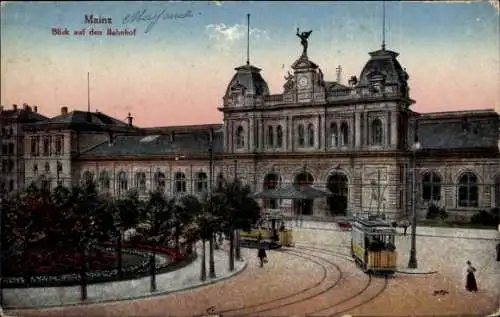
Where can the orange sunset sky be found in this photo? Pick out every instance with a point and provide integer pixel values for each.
(176, 67)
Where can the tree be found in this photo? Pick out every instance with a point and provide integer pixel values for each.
(203, 229)
(130, 209)
(184, 209)
(236, 210)
(157, 215)
(211, 206)
(84, 204)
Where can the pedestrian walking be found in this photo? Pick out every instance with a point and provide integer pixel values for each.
(498, 252)
(405, 224)
(470, 283)
(262, 255)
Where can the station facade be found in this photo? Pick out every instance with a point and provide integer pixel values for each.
(361, 141)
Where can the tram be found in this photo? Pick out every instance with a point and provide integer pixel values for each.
(271, 230)
(372, 245)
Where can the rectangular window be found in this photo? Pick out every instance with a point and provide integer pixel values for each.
(35, 141)
(11, 148)
(5, 149)
(11, 166)
(59, 145)
(46, 145)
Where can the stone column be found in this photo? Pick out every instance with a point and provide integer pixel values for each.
(286, 133)
(251, 142)
(394, 128)
(357, 129)
(366, 129)
(317, 140)
(226, 134)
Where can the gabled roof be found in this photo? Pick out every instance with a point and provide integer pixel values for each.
(22, 115)
(183, 144)
(83, 121)
(78, 116)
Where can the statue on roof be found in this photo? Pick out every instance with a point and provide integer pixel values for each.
(303, 40)
(288, 76)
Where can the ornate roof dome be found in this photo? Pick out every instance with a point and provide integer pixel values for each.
(249, 77)
(383, 66)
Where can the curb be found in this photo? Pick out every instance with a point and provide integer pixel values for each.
(416, 273)
(150, 295)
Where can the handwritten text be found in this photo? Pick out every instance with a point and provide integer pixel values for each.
(143, 16)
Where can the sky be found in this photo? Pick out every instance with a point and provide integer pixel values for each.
(175, 71)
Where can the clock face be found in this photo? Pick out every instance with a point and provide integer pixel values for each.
(303, 81)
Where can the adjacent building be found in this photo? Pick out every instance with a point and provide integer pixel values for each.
(12, 144)
(361, 140)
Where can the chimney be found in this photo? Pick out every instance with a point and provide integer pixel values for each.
(172, 137)
(14, 106)
(130, 119)
(35, 108)
(26, 107)
(64, 110)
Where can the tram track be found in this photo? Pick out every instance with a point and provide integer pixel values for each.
(302, 299)
(306, 256)
(340, 307)
(335, 306)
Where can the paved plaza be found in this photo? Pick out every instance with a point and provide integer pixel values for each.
(318, 278)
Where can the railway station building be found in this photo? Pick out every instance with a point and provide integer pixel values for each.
(360, 140)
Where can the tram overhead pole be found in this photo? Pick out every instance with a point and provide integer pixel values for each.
(412, 262)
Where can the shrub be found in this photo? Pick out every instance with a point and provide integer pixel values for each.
(486, 218)
(435, 212)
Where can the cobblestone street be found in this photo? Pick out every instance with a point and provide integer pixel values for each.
(318, 278)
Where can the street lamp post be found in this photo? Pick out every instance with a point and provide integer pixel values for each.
(412, 263)
(1, 253)
(120, 249)
(212, 236)
(237, 233)
(153, 256)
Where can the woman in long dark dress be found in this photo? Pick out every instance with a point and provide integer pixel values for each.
(471, 284)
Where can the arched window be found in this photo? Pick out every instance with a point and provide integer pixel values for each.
(201, 183)
(88, 177)
(301, 135)
(376, 132)
(468, 194)
(140, 181)
(344, 134)
(159, 179)
(279, 136)
(240, 137)
(431, 187)
(310, 134)
(334, 136)
(270, 136)
(104, 183)
(122, 182)
(180, 183)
